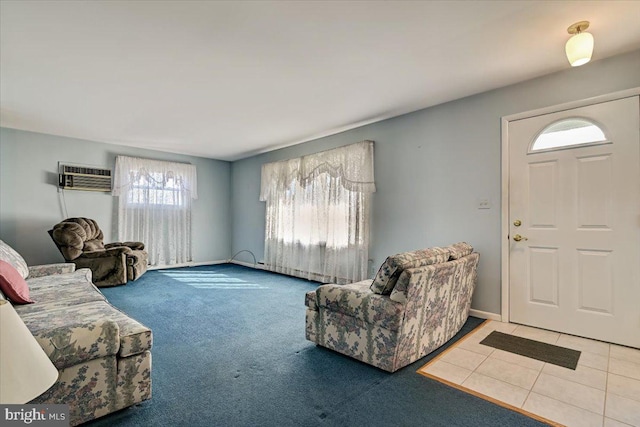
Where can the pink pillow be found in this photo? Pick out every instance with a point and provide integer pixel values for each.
(13, 285)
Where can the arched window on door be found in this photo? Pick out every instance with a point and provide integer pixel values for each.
(568, 133)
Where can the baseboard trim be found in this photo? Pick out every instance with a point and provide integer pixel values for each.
(187, 264)
(247, 264)
(485, 315)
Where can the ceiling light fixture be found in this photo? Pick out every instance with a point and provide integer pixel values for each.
(580, 46)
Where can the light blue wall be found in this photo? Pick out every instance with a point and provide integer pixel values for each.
(30, 202)
(433, 165)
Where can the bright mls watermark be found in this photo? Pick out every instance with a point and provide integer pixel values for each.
(36, 415)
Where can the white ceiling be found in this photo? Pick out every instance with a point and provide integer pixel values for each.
(227, 80)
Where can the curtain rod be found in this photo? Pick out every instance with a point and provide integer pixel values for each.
(154, 160)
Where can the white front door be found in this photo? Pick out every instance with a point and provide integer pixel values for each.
(574, 221)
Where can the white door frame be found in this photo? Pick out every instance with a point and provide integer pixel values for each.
(504, 231)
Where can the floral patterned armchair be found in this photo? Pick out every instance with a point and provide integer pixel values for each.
(80, 241)
(417, 302)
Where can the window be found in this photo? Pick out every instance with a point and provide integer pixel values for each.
(568, 133)
(317, 214)
(314, 218)
(155, 188)
(154, 207)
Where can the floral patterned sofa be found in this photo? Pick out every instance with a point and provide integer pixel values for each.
(102, 355)
(417, 302)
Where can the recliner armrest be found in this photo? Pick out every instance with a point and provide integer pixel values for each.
(136, 246)
(107, 253)
(135, 256)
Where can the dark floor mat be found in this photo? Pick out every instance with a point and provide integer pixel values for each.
(561, 356)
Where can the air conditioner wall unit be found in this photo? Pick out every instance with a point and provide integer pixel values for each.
(86, 178)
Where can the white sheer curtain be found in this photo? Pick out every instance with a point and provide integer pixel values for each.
(317, 214)
(154, 207)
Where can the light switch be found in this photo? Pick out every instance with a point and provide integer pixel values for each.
(484, 204)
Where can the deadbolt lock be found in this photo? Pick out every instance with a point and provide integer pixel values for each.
(517, 223)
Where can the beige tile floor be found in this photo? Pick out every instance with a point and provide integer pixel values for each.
(603, 391)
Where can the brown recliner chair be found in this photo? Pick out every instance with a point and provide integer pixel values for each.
(80, 241)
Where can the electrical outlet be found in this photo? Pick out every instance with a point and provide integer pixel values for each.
(484, 204)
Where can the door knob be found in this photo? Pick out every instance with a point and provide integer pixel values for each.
(518, 237)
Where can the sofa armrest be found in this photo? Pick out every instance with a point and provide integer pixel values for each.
(357, 300)
(420, 284)
(50, 269)
(416, 284)
(107, 253)
(310, 300)
(73, 343)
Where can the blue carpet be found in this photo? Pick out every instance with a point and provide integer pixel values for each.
(229, 350)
